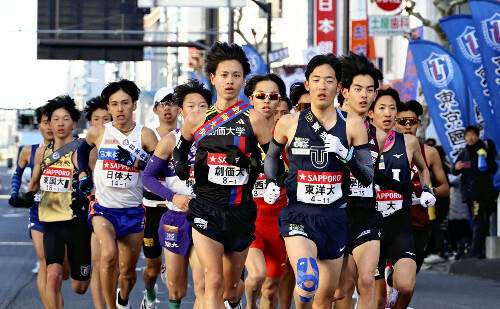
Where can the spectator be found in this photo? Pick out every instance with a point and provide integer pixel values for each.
(492, 213)
(458, 219)
(476, 186)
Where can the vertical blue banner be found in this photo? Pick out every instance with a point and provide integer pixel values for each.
(445, 91)
(257, 66)
(486, 18)
(462, 36)
(410, 79)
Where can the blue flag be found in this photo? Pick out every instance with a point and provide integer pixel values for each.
(410, 79)
(257, 66)
(486, 18)
(462, 36)
(445, 91)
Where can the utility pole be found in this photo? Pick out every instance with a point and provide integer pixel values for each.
(346, 35)
(266, 7)
(230, 30)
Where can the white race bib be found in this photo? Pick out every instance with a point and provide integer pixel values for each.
(56, 179)
(388, 202)
(319, 187)
(357, 189)
(222, 173)
(118, 175)
(260, 186)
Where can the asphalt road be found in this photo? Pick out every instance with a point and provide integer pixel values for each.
(434, 289)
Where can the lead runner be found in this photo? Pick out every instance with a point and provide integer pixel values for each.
(226, 167)
(322, 143)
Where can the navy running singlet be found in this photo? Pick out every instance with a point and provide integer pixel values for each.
(217, 181)
(394, 164)
(316, 176)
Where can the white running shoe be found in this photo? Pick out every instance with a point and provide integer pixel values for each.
(392, 294)
(164, 273)
(146, 304)
(228, 306)
(434, 259)
(118, 306)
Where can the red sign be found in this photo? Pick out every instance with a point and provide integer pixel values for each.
(388, 5)
(325, 25)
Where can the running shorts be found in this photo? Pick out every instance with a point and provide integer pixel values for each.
(151, 245)
(174, 232)
(124, 220)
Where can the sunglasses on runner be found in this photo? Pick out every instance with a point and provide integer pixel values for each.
(407, 120)
(262, 95)
(165, 104)
(302, 106)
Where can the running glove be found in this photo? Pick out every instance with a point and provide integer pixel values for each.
(237, 158)
(427, 199)
(85, 185)
(272, 193)
(14, 200)
(29, 199)
(183, 169)
(123, 157)
(333, 144)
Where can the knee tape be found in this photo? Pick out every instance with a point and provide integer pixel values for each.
(306, 294)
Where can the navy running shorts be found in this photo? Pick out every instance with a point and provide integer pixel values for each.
(366, 225)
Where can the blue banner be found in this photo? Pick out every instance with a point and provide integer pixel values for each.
(257, 66)
(410, 79)
(205, 83)
(462, 36)
(486, 18)
(445, 91)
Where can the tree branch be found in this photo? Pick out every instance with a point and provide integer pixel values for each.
(452, 5)
(410, 10)
(437, 6)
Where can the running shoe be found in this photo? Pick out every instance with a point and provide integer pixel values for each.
(164, 273)
(434, 259)
(392, 294)
(118, 306)
(146, 304)
(227, 305)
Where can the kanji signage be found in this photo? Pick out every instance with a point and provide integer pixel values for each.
(325, 25)
(388, 25)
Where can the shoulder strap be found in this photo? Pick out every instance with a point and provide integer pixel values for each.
(225, 116)
(133, 149)
(61, 152)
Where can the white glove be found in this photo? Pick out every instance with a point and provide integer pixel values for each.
(414, 199)
(272, 193)
(333, 144)
(427, 199)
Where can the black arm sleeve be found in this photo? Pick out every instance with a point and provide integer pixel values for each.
(361, 165)
(82, 158)
(272, 160)
(181, 150)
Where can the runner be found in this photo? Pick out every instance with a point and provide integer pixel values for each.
(63, 207)
(266, 258)
(173, 229)
(96, 113)
(301, 100)
(226, 167)
(117, 215)
(167, 111)
(35, 227)
(360, 81)
(284, 108)
(322, 143)
(397, 241)
(408, 122)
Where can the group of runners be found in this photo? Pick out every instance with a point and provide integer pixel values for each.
(313, 203)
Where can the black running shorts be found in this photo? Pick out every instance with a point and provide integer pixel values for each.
(75, 234)
(151, 245)
(366, 225)
(232, 226)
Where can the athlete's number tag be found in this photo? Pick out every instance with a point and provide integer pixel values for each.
(260, 186)
(388, 202)
(319, 187)
(222, 173)
(357, 189)
(118, 175)
(56, 179)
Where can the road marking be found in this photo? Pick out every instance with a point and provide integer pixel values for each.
(16, 243)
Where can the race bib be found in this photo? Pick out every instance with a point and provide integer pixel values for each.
(388, 202)
(319, 187)
(118, 175)
(222, 173)
(357, 189)
(260, 186)
(56, 179)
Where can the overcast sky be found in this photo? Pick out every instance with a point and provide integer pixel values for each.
(23, 78)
